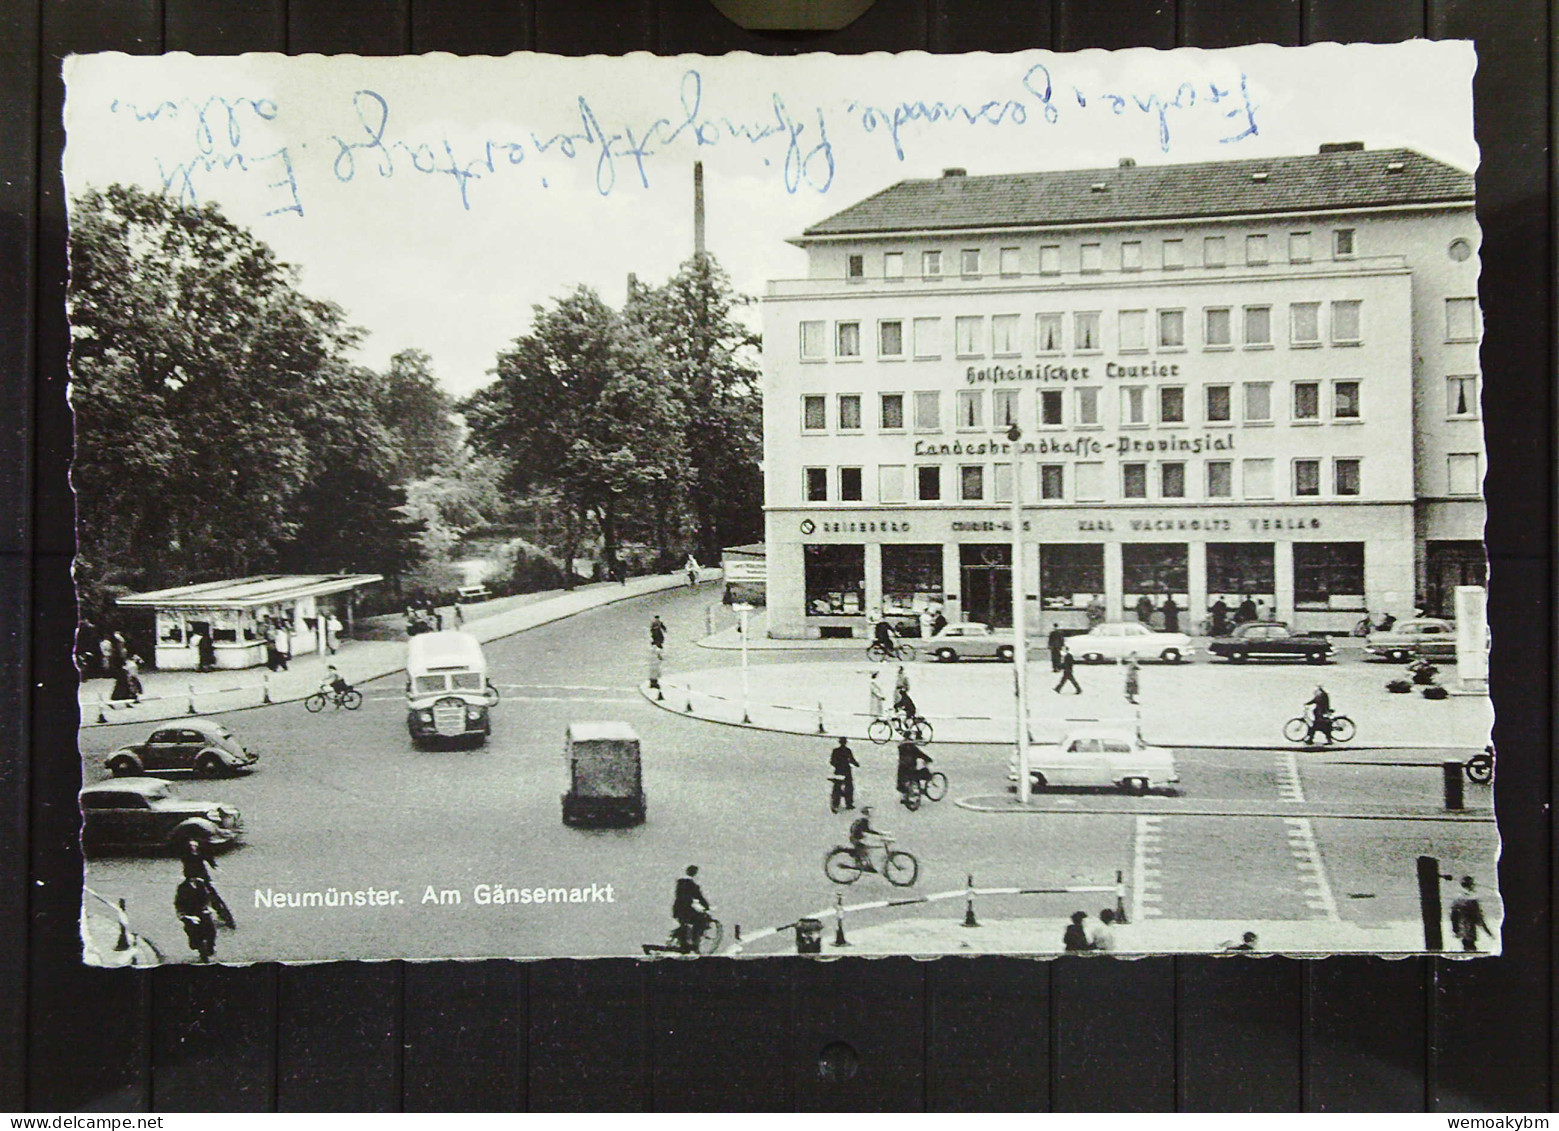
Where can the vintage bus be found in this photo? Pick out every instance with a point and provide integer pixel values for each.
(448, 696)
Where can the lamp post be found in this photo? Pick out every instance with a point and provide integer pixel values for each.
(1019, 625)
(742, 609)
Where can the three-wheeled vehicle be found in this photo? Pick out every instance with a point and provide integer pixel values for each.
(605, 786)
(448, 696)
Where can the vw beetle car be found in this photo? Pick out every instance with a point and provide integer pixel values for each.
(1428, 638)
(143, 813)
(1118, 641)
(205, 747)
(1099, 755)
(1267, 639)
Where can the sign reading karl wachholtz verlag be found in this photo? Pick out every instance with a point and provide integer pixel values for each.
(1100, 434)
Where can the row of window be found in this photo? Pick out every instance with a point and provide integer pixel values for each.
(977, 483)
(1128, 255)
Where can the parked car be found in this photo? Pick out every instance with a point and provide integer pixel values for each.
(200, 745)
(1268, 639)
(1118, 641)
(143, 813)
(971, 640)
(1100, 755)
(1427, 638)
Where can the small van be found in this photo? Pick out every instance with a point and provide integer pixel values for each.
(1100, 756)
(448, 696)
(605, 779)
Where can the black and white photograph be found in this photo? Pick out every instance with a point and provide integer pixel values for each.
(658, 507)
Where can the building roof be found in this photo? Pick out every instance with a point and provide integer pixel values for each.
(1328, 181)
(250, 592)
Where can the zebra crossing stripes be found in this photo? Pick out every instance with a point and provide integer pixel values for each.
(1312, 872)
(1146, 872)
(1290, 788)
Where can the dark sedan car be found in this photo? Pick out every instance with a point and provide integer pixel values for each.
(1263, 640)
(142, 813)
(205, 747)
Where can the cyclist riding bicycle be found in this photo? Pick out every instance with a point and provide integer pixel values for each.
(1318, 713)
(913, 763)
(904, 707)
(860, 829)
(882, 633)
(335, 683)
(690, 909)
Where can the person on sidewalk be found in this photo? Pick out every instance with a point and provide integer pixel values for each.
(1145, 609)
(1102, 937)
(842, 760)
(283, 648)
(1068, 662)
(657, 659)
(1247, 942)
(692, 567)
(1171, 613)
(874, 691)
(1467, 916)
(1219, 625)
(333, 634)
(1075, 937)
(1133, 679)
(657, 632)
(1057, 641)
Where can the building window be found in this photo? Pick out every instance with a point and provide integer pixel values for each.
(1052, 481)
(1345, 400)
(928, 337)
(971, 408)
(1133, 404)
(1462, 474)
(1215, 252)
(971, 483)
(1001, 483)
(1307, 478)
(849, 484)
(891, 411)
(1050, 259)
(1345, 322)
(890, 483)
(1171, 329)
(1071, 575)
(835, 580)
(969, 262)
(813, 337)
(1004, 335)
(847, 339)
(1256, 253)
(1299, 247)
(1047, 333)
(893, 265)
(928, 483)
(1218, 404)
(1461, 319)
(1256, 478)
(1154, 568)
(928, 411)
(1174, 254)
(1134, 480)
(1087, 483)
(1258, 402)
(855, 267)
(1133, 330)
(1307, 400)
(1258, 326)
(1217, 328)
(931, 265)
(1329, 575)
(1241, 570)
(911, 579)
(1087, 406)
(1009, 261)
(817, 484)
(1220, 479)
(1171, 404)
(1091, 258)
(1004, 407)
(1050, 407)
(1131, 255)
(1171, 480)
(849, 412)
(969, 335)
(890, 338)
(814, 414)
(1345, 476)
(1461, 397)
(1085, 326)
(1342, 243)
(1304, 324)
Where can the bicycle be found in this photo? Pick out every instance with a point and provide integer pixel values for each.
(885, 729)
(1298, 730)
(899, 868)
(931, 787)
(708, 940)
(350, 699)
(1480, 767)
(881, 653)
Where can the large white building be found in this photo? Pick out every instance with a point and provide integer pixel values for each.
(1248, 380)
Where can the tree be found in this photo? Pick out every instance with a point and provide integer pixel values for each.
(419, 415)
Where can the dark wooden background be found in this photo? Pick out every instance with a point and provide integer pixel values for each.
(1162, 1034)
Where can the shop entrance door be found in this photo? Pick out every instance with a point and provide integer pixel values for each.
(1447, 565)
(986, 569)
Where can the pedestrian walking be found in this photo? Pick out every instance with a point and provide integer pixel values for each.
(105, 653)
(1467, 915)
(1102, 937)
(874, 690)
(333, 633)
(1133, 679)
(283, 648)
(657, 632)
(132, 670)
(1057, 641)
(842, 760)
(118, 650)
(1075, 937)
(692, 567)
(657, 657)
(1068, 662)
(900, 685)
(1171, 613)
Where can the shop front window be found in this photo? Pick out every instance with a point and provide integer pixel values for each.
(1154, 569)
(1236, 570)
(1070, 576)
(1329, 575)
(911, 580)
(835, 580)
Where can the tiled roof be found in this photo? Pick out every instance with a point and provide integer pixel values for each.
(1317, 181)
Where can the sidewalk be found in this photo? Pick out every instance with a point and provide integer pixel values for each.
(172, 695)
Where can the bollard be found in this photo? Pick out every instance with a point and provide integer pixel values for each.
(102, 709)
(1120, 896)
(839, 939)
(689, 708)
(820, 729)
(1429, 902)
(660, 694)
(1452, 771)
(192, 698)
(969, 919)
(265, 686)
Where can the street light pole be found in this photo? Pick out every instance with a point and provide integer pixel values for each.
(1019, 625)
(743, 609)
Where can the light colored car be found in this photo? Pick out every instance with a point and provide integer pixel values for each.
(1099, 755)
(971, 640)
(1428, 638)
(1120, 641)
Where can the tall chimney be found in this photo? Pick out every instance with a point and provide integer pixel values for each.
(698, 209)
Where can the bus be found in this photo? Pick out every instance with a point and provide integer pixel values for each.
(448, 696)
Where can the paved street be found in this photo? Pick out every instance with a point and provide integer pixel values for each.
(1292, 841)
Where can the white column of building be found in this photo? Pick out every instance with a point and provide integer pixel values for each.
(1113, 590)
(874, 606)
(952, 581)
(1283, 580)
(1196, 587)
